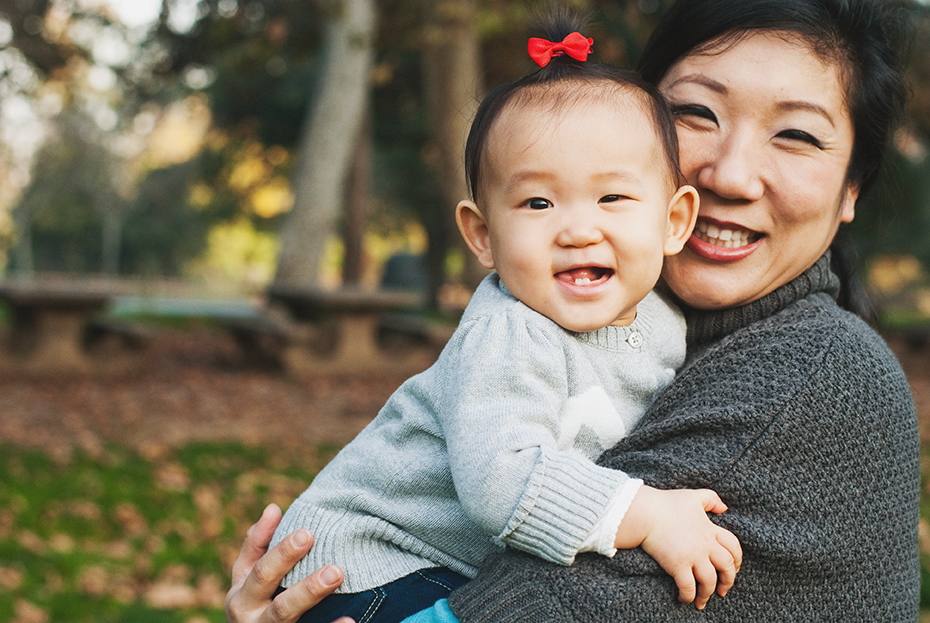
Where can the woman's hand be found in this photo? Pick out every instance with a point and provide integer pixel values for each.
(258, 571)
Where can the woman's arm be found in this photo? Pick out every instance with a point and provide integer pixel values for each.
(819, 469)
(258, 570)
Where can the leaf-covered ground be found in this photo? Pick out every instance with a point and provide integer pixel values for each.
(125, 499)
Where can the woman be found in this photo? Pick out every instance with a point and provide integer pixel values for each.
(792, 409)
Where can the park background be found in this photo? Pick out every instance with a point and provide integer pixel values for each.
(201, 152)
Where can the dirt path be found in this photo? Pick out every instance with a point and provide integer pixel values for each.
(194, 386)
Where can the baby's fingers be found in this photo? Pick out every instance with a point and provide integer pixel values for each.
(726, 569)
(711, 501)
(728, 540)
(706, 576)
(684, 580)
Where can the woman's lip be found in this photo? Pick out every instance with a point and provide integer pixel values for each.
(722, 241)
(721, 224)
(721, 254)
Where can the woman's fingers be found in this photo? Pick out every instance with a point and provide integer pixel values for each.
(258, 571)
(256, 543)
(271, 568)
(300, 597)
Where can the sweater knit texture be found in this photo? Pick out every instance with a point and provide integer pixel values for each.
(494, 444)
(800, 417)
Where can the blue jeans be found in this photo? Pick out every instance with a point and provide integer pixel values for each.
(390, 603)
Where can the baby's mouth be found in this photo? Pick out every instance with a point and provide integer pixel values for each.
(721, 236)
(585, 275)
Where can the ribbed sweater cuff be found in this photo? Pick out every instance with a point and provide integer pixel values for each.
(565, 499)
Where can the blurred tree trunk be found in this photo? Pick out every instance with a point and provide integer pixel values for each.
(329, 140)
(22, 247)
(358, 200)
(112, 242)
(453, 86)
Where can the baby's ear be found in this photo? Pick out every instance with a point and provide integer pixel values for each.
(474, 229)
(682, 215)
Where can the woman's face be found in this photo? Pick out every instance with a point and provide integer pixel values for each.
(766, 138)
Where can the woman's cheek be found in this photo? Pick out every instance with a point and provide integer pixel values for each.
(692, 151)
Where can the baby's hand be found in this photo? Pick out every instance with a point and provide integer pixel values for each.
(672, 527)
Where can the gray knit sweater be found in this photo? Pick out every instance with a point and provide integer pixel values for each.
(799, 416)
(494, 444)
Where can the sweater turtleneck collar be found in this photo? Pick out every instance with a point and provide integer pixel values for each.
(706, 326)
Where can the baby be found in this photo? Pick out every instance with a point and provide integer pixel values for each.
(575, 203)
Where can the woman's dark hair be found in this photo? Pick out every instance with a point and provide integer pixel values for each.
(563, 70)
(864, 36)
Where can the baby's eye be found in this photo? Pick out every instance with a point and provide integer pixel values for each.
(537, 203)
(612, 198)
(801, 135)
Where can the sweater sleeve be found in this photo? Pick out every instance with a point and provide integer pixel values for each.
(807, 432)
(503, 395)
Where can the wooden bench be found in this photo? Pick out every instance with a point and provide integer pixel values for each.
(49, 323)
(315, 331)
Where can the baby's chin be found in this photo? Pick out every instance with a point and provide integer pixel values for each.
(582, 325)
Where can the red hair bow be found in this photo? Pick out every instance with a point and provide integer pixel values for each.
(575, 45)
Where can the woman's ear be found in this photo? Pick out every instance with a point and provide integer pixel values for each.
(474, 229)
(848, 206)
(682, 215)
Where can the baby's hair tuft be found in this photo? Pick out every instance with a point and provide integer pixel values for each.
(557, 21)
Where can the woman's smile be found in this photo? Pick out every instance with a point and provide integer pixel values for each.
(723, 242)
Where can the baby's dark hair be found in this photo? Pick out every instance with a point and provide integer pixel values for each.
(563, 71)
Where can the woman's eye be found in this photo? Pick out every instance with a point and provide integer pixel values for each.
(694, 110)
(801, 135)
(538, 204)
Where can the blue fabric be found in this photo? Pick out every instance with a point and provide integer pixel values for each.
(439, 613)
(389, 603)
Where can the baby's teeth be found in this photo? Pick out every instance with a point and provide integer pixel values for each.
(582, 281)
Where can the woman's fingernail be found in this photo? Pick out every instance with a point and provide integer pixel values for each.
(330, 575)
(301, 538)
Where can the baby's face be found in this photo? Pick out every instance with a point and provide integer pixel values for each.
(577, 203)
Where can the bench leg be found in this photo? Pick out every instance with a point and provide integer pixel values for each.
(57, 347)
(356, 352)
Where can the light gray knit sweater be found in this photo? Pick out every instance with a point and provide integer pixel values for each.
(494, 444)
(799, 416)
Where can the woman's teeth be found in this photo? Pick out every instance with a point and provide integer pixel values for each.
(719, 237)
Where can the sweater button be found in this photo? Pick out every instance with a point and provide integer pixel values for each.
(635, 339)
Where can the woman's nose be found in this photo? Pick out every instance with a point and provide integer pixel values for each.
(731, 169)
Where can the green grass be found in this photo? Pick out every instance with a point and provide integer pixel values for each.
(99, 538)
(95, 538)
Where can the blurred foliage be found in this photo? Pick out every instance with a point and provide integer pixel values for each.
(61, 213)
(255, 64)
(894, 218)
